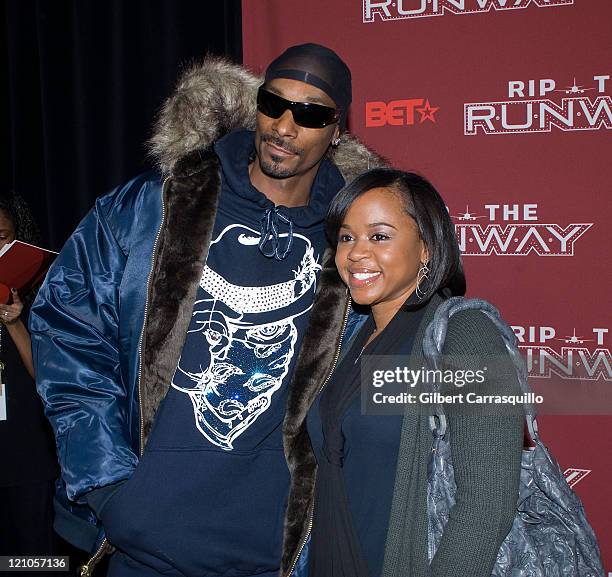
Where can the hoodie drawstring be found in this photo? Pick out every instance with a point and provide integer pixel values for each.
(269, 233)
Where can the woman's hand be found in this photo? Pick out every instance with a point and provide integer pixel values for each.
(9, 314)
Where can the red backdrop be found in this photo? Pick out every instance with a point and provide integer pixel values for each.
(505, 105)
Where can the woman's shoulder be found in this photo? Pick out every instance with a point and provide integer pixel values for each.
(475, 341)
(471, 331)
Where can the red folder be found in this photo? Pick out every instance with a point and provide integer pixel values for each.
(22, 266)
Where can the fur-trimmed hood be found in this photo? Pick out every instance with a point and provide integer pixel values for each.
(214, 97)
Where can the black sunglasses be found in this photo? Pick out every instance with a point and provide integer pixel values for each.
(306, 114)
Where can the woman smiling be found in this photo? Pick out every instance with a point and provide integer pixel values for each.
(397, 253)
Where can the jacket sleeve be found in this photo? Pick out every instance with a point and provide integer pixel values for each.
(74, 325)
(486, 453)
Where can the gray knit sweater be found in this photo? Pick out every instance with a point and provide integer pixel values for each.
(486, 453)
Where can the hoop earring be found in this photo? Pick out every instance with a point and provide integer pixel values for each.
(422, 276)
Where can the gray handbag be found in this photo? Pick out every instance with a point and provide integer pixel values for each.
(550, 536)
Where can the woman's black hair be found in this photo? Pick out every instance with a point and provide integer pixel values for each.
(425, 205)
(18, 212)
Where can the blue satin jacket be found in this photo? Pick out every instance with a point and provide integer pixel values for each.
(86, 326)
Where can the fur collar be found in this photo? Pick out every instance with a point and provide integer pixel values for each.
(191, 204)
(314, 363)
(215, 97)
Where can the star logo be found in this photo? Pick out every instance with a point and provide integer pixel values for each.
(427, 112)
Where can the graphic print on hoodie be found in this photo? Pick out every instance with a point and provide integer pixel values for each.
(209, 495)
(242, 339)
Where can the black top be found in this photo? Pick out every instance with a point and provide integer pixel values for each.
(26, 440)
(357, 457)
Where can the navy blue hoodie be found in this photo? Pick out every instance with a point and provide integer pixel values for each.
(208, 497)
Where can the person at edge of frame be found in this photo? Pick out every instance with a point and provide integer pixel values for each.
(29, 465)
(175, 325)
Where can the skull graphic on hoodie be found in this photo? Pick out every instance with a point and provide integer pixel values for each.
(243, 338)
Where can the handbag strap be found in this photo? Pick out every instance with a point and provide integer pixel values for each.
(433, 342)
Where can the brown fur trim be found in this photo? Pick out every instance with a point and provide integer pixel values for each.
(214, 97)
(191, 199)
(313, 365)
(352, 157)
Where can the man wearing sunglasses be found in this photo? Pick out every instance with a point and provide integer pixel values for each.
(169, 328)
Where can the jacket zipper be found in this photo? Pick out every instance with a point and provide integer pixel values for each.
(87, 569)
(146, 312)
(329, 374)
